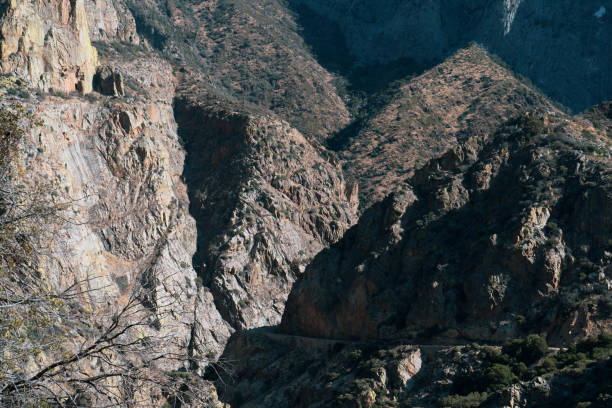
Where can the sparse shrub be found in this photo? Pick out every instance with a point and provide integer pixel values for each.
(370, 367)
(548, 365)
(473, 399)
(588, 135)
(585, 351)
(466, 383)
(355, 355)
(535, 348)
(605, 307)
(21, 93)
(521, 371)
(345, 397)
(532, 124)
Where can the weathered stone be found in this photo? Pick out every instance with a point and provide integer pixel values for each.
(281, 201)
(406, 369)
(108, 81)
(49, 47)
(110, 20)
(424, 260)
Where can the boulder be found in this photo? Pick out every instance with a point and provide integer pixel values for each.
(108, 81)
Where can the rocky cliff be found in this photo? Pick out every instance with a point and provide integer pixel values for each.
(118, 163)
(265, 200)
(507, 224)
(205, 156)
(48, 45)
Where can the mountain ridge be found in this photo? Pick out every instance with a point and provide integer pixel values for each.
(199, 171)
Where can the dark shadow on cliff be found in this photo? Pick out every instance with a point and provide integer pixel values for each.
(455, 251)
(364, 88)
(563, 48)
(214, 167)
(328, 44)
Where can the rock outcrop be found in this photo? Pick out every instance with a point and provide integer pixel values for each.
(111, 20)
(266, 201)
(108, 82)
(506, 225)
(122, 164)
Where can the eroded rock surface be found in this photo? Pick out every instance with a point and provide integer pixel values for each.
(108, 82)
(266, 202)
(48, 44)
(111, 20)
(510, 224)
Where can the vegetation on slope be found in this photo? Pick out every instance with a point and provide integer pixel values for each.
(247, 53)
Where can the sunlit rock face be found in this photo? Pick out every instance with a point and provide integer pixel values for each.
(48, 45)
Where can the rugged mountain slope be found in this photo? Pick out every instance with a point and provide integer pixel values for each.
(248, 52)
(469, 94)
(504, 235)
(48, 44)
(118, 163)
(536, 38)
(515, 223)
(191, 152)
(265, 200)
